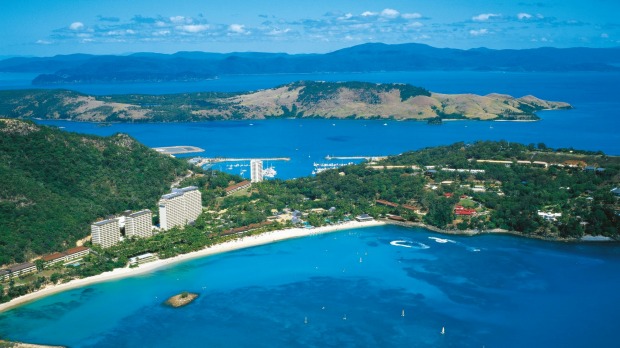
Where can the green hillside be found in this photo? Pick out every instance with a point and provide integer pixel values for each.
(53, 184)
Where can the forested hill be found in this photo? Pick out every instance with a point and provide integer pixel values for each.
(184, 66)
(54, 184)
(361, 100)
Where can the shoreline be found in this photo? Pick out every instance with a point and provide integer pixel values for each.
(237, 244)
(472, 233)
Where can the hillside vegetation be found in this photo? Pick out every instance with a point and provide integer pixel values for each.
(301, 99)
(54, 184)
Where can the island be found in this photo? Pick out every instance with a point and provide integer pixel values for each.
(465, 188)
(182, 299)
(303, 99)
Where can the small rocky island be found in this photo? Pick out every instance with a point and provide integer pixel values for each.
(181, 299)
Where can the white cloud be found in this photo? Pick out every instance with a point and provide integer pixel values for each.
(194, 28)
(478, 32)
(43, 42)
(369, 14)
(76, 26)
(346, 16)
(524, 15)
(178, 19)
(415, 25)
(411, 15)
(161, 33)
(390, 13)
(236, 28)
(485, 16)
(278, 31)
(605, 35)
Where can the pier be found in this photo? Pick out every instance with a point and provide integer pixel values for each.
(201, 161)
(367, 158)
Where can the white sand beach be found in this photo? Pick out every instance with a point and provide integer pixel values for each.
(240, 243)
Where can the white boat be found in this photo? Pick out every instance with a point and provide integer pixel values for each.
(269, 172)
(443, 330)
(402, 314)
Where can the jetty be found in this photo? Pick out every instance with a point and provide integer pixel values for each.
(367, 158)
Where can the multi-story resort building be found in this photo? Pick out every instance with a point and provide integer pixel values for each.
(180, 207)
(139, 224)
(109, 232)
(66, 257)
(17, 270)
(256, 170)
(238, 187)
(106, 233)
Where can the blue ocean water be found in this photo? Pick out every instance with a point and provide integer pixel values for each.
(493, 291)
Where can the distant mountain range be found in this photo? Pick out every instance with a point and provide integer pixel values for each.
(356, 100)
(183, 66)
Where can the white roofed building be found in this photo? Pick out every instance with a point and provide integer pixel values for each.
(180, 207)
(106, 233)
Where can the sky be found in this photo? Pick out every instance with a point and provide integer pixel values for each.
(51, 27)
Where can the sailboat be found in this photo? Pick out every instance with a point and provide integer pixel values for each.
(443, 330)
(345, 317)
(402, 314)
(269, 172)
(306, 320)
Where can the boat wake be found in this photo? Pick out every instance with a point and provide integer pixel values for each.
(445, 240)
(409, 244)
(441, 240)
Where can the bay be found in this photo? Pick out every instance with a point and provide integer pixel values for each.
(494, 291)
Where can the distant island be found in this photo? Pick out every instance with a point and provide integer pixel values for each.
(370, 57)
(304, 99)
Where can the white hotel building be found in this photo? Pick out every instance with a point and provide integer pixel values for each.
(180, 207)
(106, 233)
(139, 224)
(109, 232)
(256, 170)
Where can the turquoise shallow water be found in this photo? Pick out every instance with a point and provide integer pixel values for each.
(493, 291)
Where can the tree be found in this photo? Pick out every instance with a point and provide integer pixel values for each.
(40, 264)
